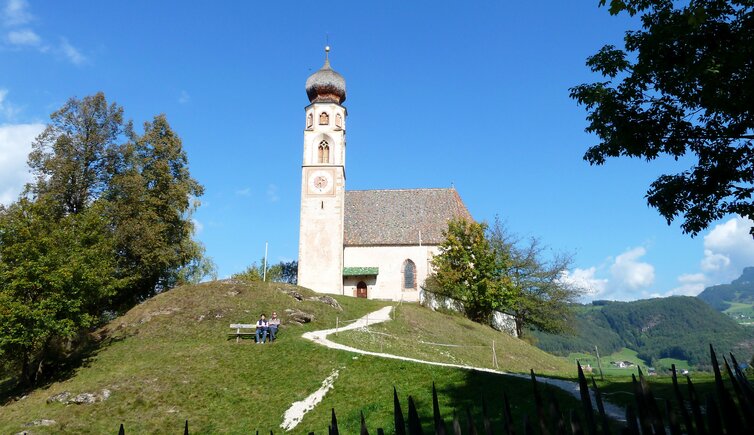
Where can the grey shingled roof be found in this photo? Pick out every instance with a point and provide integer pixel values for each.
(326, 82)
(400, 217)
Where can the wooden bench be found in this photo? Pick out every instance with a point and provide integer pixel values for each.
(240, 333)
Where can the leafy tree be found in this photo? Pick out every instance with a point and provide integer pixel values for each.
(466, 269)
(151, 199)
(105, 224)
(289, 272)
(537, 296)
(252, 273)
(682, 86)
(281, 272)
(53, 278)
(72, 158)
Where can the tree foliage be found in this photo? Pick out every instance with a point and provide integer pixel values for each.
(677, 327)
(286, 272)
(740, 290)
(683, 85)
(53, 279)
(466, 269)
(151, 196)
(537, 296)
(105, 224)
(488, 269)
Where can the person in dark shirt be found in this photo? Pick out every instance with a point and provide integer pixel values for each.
(262, 327)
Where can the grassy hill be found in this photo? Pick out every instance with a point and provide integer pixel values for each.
(735, 299)
(676, 329)
(168, 360)
(417, 332)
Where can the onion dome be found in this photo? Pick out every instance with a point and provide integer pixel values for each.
(326, 85)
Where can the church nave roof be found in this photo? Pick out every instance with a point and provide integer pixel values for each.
(401, 216)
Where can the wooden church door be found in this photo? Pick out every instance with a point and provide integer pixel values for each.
(361, 289)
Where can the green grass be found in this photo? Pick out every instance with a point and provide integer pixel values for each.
(418, 332)
(168, 360)
(741, 312)
(620, 390)
(609, 369)
(665, 364)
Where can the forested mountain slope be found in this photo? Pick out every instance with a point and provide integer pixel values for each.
(676, 327)
(740, 290)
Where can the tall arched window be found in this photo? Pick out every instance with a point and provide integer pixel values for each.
(409, 275)
(338, 121)
(323, 152)
(324, 118)
(309, 121)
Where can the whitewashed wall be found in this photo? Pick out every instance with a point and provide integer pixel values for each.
(389, 259)
(501, 321)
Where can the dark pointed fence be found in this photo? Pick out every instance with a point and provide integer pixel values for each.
(722, 413)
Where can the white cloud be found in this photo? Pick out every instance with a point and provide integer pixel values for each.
(184, 97)
(16, 12)
(15, 145)
(628, 272)
(15, 16)
(272, 193)
(713, 262)
(691, 284)
(623, 277)
(7, 110)
(24, 37)
(246, 191)
(71, 53)
(586, 280)
(198, 226)
(689, 278)
(728, 248)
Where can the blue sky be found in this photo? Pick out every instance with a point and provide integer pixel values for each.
(473, 95)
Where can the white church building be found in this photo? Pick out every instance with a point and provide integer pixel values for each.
(374, 244)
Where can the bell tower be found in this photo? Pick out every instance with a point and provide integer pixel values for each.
(323, 182)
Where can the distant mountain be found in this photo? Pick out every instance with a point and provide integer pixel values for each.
(721, 297)
(678, 327)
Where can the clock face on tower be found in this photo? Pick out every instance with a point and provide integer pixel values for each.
(320, 182)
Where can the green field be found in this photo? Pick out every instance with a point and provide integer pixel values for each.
(662, 366)
(417, 332)
(609, 369)
(741, 312)
(169, 360)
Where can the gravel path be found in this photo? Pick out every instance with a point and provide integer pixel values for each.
(383, 315)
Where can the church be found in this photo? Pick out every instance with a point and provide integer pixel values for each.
(375, 244)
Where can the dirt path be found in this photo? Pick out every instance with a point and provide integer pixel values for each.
(382, 315)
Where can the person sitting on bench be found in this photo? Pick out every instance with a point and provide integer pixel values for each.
(273, 325)
(261, 328)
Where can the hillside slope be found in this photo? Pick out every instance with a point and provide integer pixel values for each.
(168, 360)
(417, 332)
(677, 327)
(733, 298)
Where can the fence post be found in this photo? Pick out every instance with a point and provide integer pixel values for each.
(494, 355)
(599, 363)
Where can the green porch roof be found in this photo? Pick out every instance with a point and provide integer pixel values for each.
(360, 271)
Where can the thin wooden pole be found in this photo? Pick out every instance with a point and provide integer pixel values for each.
(494, 355)
(264, 271)
(599, 363)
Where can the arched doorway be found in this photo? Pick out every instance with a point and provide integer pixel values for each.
(361, 289)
